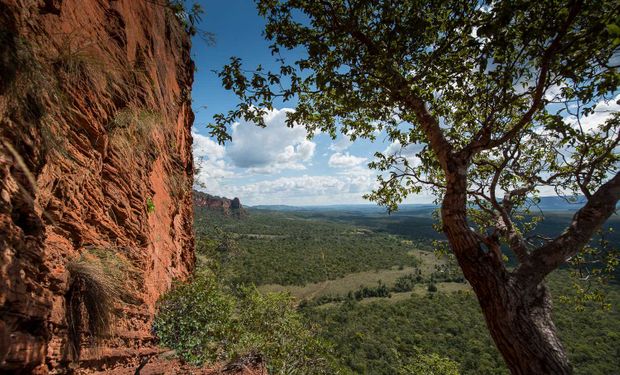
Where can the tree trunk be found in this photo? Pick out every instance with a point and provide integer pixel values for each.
(520, 323)
(518, 314)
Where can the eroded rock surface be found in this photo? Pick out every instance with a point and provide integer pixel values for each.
(95, 157)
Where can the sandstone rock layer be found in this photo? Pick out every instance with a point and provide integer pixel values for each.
(224, 206)
(95, 157)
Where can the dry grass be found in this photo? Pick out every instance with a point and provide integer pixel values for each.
(419, 290)
(341, 286)
(131, 131)
(352, 281)
(179, 184)
(92, 295)
(98, 280)
(77, 62)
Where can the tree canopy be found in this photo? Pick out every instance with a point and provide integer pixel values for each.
(490, 103)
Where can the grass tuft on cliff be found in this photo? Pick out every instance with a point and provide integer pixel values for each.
(92, 294)
(98, 280)
(131, 131)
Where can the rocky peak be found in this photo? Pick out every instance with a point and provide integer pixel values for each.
(224, 206)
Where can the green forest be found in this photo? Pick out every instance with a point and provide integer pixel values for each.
(379, 298)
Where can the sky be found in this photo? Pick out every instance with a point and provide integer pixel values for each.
(276, 164)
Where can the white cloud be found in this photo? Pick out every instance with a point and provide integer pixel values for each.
(205, 146)
(554, 93)
(209, 160)
(341, 144)
(602, 112)
(271, 149)
(325, 189)
(409, 152)
(347, 160)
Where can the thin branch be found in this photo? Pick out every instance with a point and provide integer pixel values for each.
(484, 141)
(584, 224)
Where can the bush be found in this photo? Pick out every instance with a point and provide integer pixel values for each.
(430, 365)
(271, 326)
(195, 319)
(204, 324)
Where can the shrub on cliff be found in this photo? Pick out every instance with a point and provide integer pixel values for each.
(195, 320)
(205, 324)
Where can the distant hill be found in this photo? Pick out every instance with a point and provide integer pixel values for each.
(357, 208)
(561, 204)
(551, 203)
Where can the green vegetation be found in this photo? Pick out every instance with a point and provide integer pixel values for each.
(189, 18)
(150, 206)
(291, 250)
(204, 324)
(430, 365)
(370, 338)
(425, 319)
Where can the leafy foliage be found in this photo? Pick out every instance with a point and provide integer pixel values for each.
(190, 17)
(377, 337)
(431, 364)
(204, 323)
(592, 268)
(196, 320)
(150, 206)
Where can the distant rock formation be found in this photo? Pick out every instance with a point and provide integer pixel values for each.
(224, 206)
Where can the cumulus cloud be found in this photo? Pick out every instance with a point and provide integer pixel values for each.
(209, 160)
(323, 189)
(339, 160)
(409, 152)
(341, 144)
(271, 149)
(602, 112)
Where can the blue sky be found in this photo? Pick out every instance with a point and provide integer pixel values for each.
(275, 165)
(278, 165)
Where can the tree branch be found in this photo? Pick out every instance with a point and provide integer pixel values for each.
(439, 144)
(483, 140)
(585, 223)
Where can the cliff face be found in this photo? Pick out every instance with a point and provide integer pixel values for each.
(95, 158)
(225, 206)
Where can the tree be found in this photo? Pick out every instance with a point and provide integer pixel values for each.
(488, 101)
(432, 364)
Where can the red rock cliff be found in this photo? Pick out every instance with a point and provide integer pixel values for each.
(95, 156)
(225, 206)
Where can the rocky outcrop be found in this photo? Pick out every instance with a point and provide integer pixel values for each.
(95, 161)
(224, 206)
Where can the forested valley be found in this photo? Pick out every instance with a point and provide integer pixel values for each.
(379, 295)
